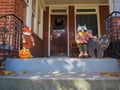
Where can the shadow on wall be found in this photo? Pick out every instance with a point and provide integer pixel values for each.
(37, 50)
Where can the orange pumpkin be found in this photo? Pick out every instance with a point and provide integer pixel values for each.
(24, 53)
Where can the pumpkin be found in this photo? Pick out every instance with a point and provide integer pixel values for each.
(24, 53)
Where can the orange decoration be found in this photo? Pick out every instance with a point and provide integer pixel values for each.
(27, 30)
(82, 33)
(24, 53)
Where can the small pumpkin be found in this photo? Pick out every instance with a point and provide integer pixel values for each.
(24, 53)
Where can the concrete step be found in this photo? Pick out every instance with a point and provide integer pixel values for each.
(59, 81)
(61, 74)
(63, 64)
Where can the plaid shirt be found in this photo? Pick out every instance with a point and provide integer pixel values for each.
(80, 38)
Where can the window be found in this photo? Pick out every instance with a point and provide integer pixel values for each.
(87, 16)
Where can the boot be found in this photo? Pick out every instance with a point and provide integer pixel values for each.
(81, 54)
(85, 54)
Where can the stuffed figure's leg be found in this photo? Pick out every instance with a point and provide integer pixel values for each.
(81, 50)
(81, 54)
(85, 47)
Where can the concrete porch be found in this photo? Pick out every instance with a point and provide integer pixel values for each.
(61, 73)
(59, 81)
(63, 64)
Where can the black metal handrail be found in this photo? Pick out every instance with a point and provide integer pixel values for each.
(113, 31)
(10, 35)
(112, 15)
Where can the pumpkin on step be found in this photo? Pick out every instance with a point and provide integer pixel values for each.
(24, 53)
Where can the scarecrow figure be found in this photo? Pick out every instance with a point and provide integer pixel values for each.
(28, 41)
(82, 38)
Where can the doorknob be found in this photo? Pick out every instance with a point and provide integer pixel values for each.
(50, 37)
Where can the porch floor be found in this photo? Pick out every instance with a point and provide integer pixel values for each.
(55, 78)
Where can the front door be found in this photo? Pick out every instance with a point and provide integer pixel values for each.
(58, 35)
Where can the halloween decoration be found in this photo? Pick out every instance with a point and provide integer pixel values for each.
(96, 47)
(82, 38)
(28, 40)
(24, 53)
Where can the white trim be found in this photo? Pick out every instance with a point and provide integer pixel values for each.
(29, 14)
(26, 2)
(58, 7)
(111, 6)
(76, 5)
(68, 33)
(49, 34)
(35, 13)
(98, 22)
(41, 24)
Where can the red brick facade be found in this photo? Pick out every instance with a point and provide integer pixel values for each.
(12, 7)
(103, 17)
(17, 7)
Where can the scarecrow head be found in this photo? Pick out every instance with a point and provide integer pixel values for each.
(26, 31)
(82, 30)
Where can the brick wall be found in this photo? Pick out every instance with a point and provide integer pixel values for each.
(71, 23)
(45, 31)
(71, 26)
(103, 17)
(19, 8)
(37, 50)
(115, 28)
(12, 7)
(6, 7)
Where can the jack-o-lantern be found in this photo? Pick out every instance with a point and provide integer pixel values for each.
(24, 53)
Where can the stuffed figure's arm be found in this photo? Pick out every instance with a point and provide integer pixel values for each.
(32, 39)
(90, 35)
(77, 38)
(23, 39)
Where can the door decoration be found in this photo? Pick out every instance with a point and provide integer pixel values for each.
(28, 42)
(58, 23)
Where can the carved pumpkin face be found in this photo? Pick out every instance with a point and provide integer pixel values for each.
(24, 53)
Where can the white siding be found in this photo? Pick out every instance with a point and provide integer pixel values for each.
(117, 5)
(114, 5)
